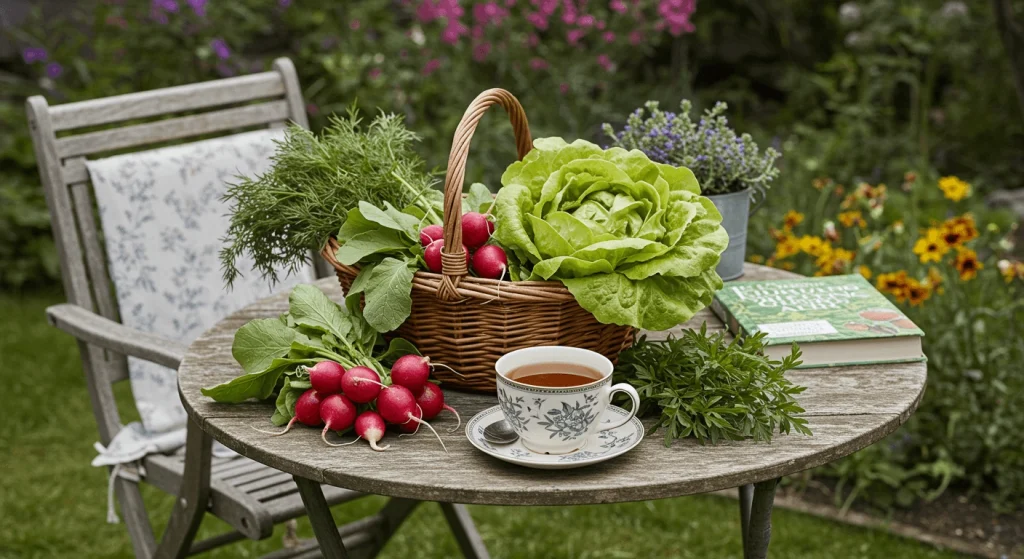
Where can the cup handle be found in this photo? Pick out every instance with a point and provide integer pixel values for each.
(628, 389)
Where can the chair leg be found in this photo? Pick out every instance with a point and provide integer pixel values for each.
(461, 523)
(193, 498)
(133, 511)
(394, 513)
(759, 532)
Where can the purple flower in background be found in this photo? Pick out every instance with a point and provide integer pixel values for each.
(354, 25)
(225, 70)
(34, 54)
(431, 66)
(538, 64)
(618, 6)
(284, 3)
(374, 73)
(54, 70)
(220, 48)
(539, 20)
(165, 5)
(481, 51)
(604, 61)
(198, 6)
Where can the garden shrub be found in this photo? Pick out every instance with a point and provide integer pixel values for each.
(860, 94)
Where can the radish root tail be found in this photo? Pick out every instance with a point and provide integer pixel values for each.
(436, 364)
(373, 445)
(278, 433)
(500, 281)
(421, 422)
(457, 417)
(323, 435)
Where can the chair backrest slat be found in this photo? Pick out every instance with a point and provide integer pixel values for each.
(138, 135)
(167, 101)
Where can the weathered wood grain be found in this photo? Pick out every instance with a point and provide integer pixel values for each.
(166, 101)
(848, 408)
(172, 129)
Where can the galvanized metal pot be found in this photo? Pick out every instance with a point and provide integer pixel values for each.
(735, 208)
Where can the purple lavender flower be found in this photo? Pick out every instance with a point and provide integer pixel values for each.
(54, 70)
(198, 6)
(220, 48)
(34, 54)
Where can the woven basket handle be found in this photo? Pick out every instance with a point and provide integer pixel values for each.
(453, 262)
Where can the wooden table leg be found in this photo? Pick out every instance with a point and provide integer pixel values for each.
(461, 523)
(746, 498)
(320, 517)
(759, 529)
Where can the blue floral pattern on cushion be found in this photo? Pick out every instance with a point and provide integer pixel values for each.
(163, 224)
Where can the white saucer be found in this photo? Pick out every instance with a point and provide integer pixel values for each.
(602, 446)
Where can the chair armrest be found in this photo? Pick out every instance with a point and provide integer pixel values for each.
(89, 327)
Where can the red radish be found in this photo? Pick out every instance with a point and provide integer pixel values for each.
(431, 400)
(490, 261)
(326, 376)
(397, 406)
(476, 229)
(411, 371)
(432, 255)
(370, 426)
(412, 427)
(430, 234)
(307, 412)
(361, 384)
(338, 413)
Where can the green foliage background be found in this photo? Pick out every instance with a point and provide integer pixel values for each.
(865, 90)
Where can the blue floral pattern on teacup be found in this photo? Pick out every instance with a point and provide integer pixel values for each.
(570, 421)
(513, 408)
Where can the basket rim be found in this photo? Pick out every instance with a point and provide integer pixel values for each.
(471, 287)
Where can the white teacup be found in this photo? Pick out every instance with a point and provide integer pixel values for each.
(556, 420)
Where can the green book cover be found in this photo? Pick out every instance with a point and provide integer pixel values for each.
(832, 308)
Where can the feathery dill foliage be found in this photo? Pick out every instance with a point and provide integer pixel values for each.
(279, 217)
(712, 389)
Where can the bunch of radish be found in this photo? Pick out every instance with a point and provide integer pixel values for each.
(336, 396)
(487, 261)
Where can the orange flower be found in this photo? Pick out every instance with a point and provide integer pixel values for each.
(851, 218)
(917, 292)
(967, 263)
(894, 283)
(821, 182)
(792, 219)
(931, 247)
(958, 230)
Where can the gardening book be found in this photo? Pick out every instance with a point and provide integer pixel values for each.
(836, 320)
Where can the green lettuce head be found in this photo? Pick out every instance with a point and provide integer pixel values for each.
(633, 240)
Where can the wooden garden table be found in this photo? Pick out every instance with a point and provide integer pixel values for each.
(848, 408)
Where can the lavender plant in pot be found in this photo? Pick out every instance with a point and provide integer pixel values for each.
(732, 171)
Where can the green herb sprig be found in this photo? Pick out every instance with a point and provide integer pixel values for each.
(712, 389)
(279, 217)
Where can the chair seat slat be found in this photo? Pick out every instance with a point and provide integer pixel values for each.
(172, 129)
(165, 101)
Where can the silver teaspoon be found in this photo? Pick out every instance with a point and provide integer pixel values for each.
(500, 432)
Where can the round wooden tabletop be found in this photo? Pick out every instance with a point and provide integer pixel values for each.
(848, 408)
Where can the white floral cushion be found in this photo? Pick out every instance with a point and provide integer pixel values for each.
(164, 223)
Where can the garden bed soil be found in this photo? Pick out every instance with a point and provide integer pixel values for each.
(954, 520)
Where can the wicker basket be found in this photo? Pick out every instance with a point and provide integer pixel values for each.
(466, 322)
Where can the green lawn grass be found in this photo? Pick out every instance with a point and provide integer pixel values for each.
(52, 503)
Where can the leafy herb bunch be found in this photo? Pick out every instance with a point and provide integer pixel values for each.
(278, 218)
(712, 389)
(722, 161)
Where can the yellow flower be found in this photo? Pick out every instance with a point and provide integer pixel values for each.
(1011, 270)
(812, 245)
(931, 247)
(787, 246)
(788, 266)
(958, 230)
(917, 292)
(954, 189)
(834, 261)
(851, 218)
(756, 259)
(864, 271)
(792, 219)
(821, 182)
(967, 263)
(894, 283)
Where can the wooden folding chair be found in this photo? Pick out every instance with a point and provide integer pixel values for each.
(247, 495)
